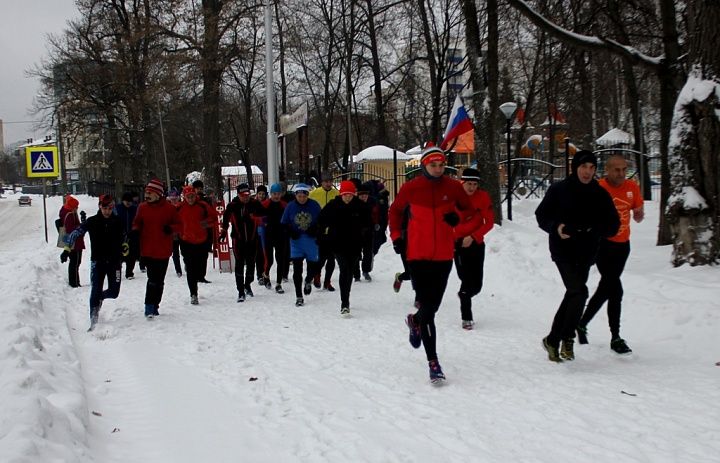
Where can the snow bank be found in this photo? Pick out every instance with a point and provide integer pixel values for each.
(44, 414)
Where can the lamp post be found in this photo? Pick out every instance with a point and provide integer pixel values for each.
(508, 110)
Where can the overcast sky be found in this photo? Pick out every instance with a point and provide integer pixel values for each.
(24, 25)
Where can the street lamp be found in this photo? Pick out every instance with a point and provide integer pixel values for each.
(508, 110)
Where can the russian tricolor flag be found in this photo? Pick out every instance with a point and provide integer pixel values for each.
(458, 123)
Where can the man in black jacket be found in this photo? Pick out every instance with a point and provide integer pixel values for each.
(348, 224)
(106, 252)
(244, 213)
(576, 213)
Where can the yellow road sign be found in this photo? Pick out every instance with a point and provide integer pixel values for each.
(42, 161)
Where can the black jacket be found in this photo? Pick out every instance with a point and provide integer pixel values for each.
(589, 215)
(106, 237)
(347, 225)
(244, 218)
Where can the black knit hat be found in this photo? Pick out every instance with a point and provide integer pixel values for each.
(243, 188)
(261, 188)
(470, 174)
(582, 157)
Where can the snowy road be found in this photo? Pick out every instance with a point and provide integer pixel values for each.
(264, 381)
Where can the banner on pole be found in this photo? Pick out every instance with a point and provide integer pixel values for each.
(289, 123)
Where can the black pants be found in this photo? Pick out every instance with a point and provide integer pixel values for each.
(260, 257)
(574, 277)
(366, 261)
(74, 261)
(347, 263)
(327, 259)
(244, 263)
(611, 261)
(429, 279)
(193, 256)
(379, 237)
(156, 271)
(469, 263)
(313, 268)
(176, 257)
(276, 249)
(99, 271)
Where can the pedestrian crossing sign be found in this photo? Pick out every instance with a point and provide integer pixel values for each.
(42, 161)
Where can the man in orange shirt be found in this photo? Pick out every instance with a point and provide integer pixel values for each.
(613, 252)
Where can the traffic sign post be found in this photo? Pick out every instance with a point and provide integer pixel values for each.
(42, 162)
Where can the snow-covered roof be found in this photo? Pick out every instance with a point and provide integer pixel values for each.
(239, 170)
(414, 151)
(50, 142)
(615, 137)
(379, 153)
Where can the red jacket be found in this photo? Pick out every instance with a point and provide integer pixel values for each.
(428, 236)
(196, 220)
(71, 221)
(477, 221)
(150, 221)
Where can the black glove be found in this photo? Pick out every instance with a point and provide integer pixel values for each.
(167, 229)
(125, 249)
(64, 256)
(83, 216)
(575, 230)
(399, 246)
(451, 218)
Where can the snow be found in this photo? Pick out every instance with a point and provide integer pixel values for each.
(239, 170)
(689, 198)
(264, 381)
(615, 136)
(696, 88)
(379, 153)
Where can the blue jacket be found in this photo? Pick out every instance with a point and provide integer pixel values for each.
(301, 218)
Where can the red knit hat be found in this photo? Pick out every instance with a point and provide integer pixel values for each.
(188, 190)
(106, 200)
(71, 202)
(347, 188)
(432, 154)
(156, 186)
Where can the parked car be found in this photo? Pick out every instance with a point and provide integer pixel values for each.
(24, 200)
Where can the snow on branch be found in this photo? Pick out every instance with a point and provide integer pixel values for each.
(586, 41)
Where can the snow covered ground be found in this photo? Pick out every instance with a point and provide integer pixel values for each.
(264, 381)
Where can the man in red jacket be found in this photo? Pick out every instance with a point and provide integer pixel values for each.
(156, 221)
(470, 243)
(196, 217)
(432, 199)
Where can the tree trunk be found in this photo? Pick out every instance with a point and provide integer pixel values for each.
(671, 78)
(381, 137)
(212, 70)
(435, 86)
(693, 211)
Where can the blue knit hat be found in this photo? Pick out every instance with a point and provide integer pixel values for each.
(275, 188)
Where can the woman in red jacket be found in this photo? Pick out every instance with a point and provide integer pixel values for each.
(196, 217)
(156, 221)
(432, 199)
(470, 243)
(70, 220)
